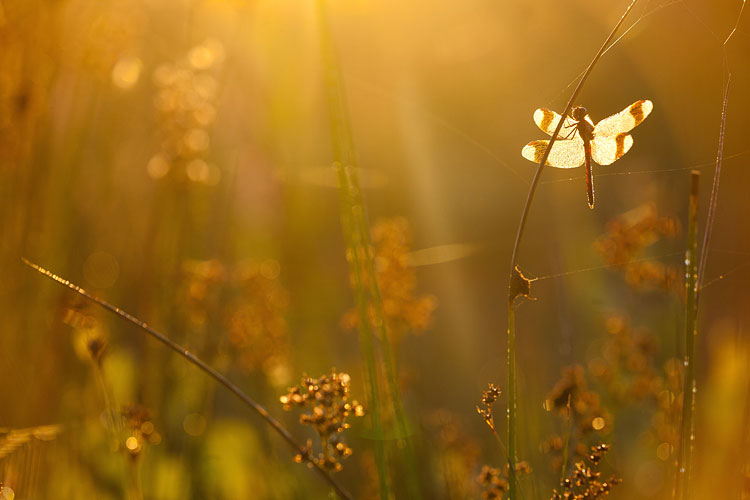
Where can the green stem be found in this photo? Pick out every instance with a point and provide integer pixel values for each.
(695, 267)
(568, 432)
(356, 229)
(356, 234)
(687, 431)
(511, 400)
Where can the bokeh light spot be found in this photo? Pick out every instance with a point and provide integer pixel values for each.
(147, 427)
(206, 55)
(126, 72)
(598, 423)
(157, 167)
(197, 140)
(194, 424)
(197, 170)
(131, 443)
(6, 493)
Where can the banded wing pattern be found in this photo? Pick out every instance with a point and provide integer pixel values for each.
(564, 154)
(624, 121)
(580, 141)
(611, 139)
(547, 121)
(607, 150)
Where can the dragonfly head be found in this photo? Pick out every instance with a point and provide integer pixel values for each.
(579, 113)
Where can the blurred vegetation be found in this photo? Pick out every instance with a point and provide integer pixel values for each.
(174, 157)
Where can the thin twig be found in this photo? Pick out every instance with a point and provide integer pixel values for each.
(260, 410)
(695, 271)
(568, 432)
(512, 291)
(687, 434)
(714, 196)
(537, 175)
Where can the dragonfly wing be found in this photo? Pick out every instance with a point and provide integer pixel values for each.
(547, 121)
(564, 154)
(624, 121)
(607, 150)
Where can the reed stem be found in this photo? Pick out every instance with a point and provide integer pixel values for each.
(687, 431)
(695, 267)
(513, 290)
(372, 320)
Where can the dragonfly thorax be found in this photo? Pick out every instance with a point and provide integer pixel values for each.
(585, 129)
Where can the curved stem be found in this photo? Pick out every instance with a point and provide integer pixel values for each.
(694, 272)
(714, 195)
(687, 434)
(204, 367)
(512, 291)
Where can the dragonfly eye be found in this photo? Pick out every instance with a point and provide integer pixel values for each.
(579, 113)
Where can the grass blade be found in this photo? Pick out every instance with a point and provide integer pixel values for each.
(203, 366)
(356, 230)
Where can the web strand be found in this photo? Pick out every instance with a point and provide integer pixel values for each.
(724, 275)
(655, 171)
(657, 258)
(607, 266)
(444, 123)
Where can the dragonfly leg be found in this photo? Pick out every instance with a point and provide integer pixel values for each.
(570, 134)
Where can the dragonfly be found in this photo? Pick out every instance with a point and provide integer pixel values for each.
(580, 141)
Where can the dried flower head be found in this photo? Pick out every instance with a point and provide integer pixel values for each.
(585, 482)
(630, 373)
(256, 320)
(327, 404)
(404, 310)
(581, 408)
(200, 291)
(139, 428)
(488, 400)
(186, 106)
(455, 453)
(495, 484)
(250, 302)
(625, 241)
(89, 337)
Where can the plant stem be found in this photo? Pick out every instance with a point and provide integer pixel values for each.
(356, 228)
(195, 360)
(695, 267)
(568, 432)
(512, 291)
(687, 434)
(357, 242)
